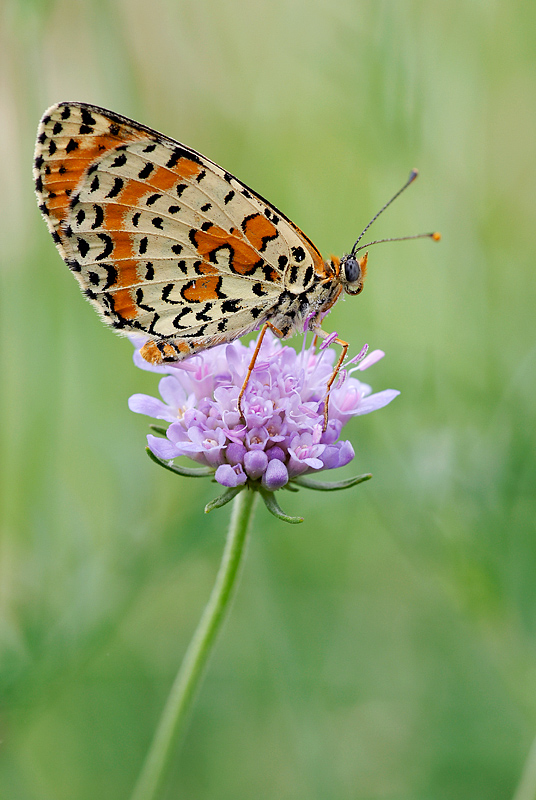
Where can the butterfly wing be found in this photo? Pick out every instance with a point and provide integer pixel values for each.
(162, 240)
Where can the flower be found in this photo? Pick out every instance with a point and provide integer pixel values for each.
(283, 437)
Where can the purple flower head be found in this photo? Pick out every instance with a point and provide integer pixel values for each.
(283, 437)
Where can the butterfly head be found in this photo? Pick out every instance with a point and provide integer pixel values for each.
(352, 273)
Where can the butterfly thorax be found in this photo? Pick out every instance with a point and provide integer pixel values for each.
(297, 313)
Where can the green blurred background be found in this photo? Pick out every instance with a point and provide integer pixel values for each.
(385, 649)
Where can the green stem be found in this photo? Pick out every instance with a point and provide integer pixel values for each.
(174, 715)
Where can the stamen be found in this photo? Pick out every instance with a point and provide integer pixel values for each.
(360, 356)
(329, 340)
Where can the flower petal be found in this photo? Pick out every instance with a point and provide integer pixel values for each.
(162, 448)
(230, 476)
(276, 475)
(150, 406)
(375, 401)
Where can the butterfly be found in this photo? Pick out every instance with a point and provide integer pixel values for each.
(166, 243)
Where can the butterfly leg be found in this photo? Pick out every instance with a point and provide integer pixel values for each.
(338, 365)
(251, 367)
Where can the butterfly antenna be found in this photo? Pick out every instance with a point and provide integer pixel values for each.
(435, 236)
(413, 174)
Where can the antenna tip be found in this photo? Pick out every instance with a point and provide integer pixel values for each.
(412, 175)
(435, 236)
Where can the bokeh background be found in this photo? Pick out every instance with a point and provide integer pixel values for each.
(385, 649)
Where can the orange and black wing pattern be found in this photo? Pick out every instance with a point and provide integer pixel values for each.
(162, 241)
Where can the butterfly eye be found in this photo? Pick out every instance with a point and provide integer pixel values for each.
(352, 270)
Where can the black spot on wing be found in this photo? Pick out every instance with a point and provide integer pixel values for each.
(177, 320)
(154, 320)
(116, 188)
(182, 152)
(166, 291)
(108, 246)
(268, 272)
(308, 275)
(119, 161)
(173, 159)
(149, 271)
(293, 274)
(99, 217)
(111, 275)
(83, 247)
(87, 119)
(139, 301)
(144, 173)
(230, 306)
(258, 289)
(202, 315)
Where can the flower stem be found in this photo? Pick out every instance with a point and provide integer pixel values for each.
(175, 713)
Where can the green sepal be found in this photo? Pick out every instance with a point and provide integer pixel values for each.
(289, 487)
(328, 486)
(186, 472)
(158, 430)
(273, 508)
(223, 499)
